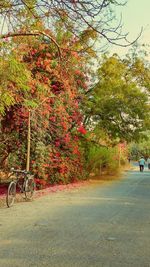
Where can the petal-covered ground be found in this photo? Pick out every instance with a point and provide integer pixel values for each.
(3, 190)
(39, 193)
(55, 188)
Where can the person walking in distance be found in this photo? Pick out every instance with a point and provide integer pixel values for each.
(141, 163)
(148, 163)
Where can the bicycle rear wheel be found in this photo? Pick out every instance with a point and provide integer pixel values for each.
(29, 187)
(11, 194)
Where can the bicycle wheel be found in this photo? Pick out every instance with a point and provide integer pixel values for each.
(11, 194)
(29, 187)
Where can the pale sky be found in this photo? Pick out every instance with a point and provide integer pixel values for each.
(135, 14)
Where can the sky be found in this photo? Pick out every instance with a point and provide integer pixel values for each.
(135, 15)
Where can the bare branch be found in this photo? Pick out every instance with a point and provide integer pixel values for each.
(97, 15)
(33, 33)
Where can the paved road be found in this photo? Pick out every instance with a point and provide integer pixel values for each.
(99, 225)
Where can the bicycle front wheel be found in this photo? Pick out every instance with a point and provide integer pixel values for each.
(29, 188)
(11, 194)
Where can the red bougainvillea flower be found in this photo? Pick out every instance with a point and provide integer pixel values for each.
(57, 143)
(57, 154)
(82, 130)
(54, 87)
(53, 119)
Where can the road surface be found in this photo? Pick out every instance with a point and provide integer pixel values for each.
(98, 225)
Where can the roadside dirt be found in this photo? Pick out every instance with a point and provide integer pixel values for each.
(39, 193)
(56, 188)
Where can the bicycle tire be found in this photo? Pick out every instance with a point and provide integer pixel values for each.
(11, 194)
(29, 188)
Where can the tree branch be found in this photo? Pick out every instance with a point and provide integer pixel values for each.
(33, 33)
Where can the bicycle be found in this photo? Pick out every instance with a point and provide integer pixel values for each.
(24, 181)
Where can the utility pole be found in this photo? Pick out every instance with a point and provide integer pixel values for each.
(119, 156)
(28, 142)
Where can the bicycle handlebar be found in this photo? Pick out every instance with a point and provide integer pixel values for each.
(19, 171)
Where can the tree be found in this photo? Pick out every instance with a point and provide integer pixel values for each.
(54, 91)
(118, 103)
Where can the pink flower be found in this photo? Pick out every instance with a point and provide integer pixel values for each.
(6, 39)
